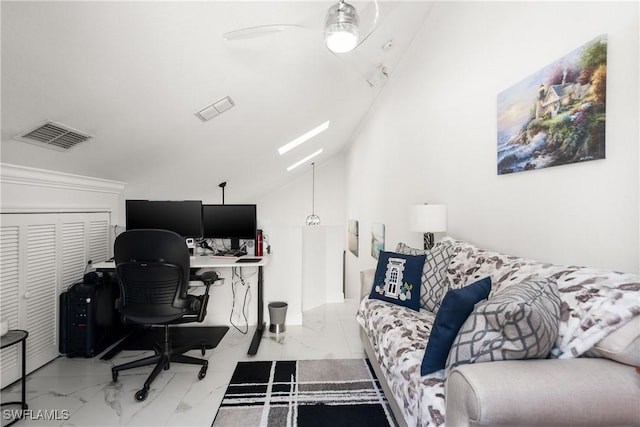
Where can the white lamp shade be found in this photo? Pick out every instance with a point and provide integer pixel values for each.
(428, 218)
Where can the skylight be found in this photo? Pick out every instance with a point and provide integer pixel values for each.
(306, 159)
(303, 138)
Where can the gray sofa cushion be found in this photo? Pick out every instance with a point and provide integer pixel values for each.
(434, 284)
(521, 322)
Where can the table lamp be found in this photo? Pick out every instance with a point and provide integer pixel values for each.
(428, 219)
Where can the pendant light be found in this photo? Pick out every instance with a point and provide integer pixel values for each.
(341, 28)
(313, 219)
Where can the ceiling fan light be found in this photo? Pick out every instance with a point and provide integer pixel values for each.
(341, 29)
(341, 40)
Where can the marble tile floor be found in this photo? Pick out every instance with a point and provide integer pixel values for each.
(79, 392)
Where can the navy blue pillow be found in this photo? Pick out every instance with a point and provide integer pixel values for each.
(456, 306)
(398, 279)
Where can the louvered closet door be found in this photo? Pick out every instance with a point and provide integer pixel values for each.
(9, 304)
(84, 237)
(44, 254)
(97, 226)
(40, 288)
(73, 251)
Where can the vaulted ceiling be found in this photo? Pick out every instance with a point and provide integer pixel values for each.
(132, 75)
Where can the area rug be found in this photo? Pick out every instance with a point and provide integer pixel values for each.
(304, 393)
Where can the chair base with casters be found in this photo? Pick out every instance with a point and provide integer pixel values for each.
(162, 360)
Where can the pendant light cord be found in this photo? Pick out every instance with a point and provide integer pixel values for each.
(313, 188)
(313, 219)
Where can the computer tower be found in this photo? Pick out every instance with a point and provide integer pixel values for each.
(89, 322)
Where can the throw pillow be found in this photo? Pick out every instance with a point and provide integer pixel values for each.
(433, 284)
(456, 306)
(520, 322)
(397, 279)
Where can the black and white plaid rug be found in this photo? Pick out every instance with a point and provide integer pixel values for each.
(304, 393)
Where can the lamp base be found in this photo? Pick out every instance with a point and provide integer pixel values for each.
(428, 240)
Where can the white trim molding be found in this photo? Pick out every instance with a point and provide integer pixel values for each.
(52, 208)
(23, 175)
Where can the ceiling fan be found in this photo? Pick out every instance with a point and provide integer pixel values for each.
(344, 30)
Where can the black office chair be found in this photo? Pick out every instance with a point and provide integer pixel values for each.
(152, 268)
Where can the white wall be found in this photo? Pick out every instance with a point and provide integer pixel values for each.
(282, 214)
(322, 255)
(283, 275)
(288, 205)
(432, 138)
(291, 204)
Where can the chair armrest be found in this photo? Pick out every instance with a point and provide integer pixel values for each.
(208, 277)
(552, 392)
(366, 281)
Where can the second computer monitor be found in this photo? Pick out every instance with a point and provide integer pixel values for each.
(233, 222)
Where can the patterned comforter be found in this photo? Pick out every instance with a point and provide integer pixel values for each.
(399, 337)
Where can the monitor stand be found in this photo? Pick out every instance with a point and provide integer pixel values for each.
(235, 243)
(235, 248)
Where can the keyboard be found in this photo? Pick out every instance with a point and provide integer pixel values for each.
(241, 260)
(231, 252)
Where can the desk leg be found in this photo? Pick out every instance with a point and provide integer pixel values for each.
(257, 336)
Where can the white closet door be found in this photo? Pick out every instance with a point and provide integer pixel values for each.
(42, 255)
(98, 237)
(73, 250)
(40, 289)
(9, 294)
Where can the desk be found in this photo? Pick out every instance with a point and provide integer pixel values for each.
(14, 337)
(206, 261)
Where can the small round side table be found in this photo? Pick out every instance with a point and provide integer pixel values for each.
(13, 337)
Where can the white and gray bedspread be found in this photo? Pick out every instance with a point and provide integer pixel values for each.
(399, 337)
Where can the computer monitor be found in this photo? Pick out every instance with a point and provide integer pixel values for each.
(233, 222)
(184, 216)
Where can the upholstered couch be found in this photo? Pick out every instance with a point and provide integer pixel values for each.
(585, 377)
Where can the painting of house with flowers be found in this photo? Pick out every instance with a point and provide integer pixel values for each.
(556, 116)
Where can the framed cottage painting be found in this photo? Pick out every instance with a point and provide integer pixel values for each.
(556, 116)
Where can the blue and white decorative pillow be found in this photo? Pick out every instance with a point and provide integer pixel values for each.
(397, 279)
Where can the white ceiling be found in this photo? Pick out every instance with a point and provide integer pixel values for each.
(132, 74)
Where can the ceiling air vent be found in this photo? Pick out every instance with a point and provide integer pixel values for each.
(212, 110)
(53, 135)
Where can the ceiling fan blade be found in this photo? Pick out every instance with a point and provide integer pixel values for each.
(372, 17)
(258, 31)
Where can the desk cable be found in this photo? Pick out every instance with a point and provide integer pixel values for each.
(217, 245)
(238, 278)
